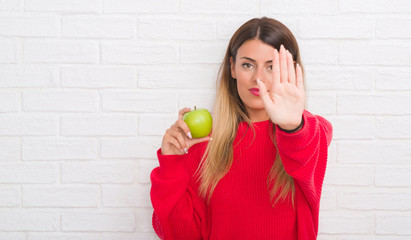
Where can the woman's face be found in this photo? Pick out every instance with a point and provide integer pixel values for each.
(253, 60)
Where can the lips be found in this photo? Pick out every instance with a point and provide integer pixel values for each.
(255, 91)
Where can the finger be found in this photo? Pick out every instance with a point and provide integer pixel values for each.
(283, 65)
(291, 70)
(182, 112)
(199, 140)
(276, 69)
(300, 83)
(183, 127)
(176, 134)
(172, 140)
(263, 92)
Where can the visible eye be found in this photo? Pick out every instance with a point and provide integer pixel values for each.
(270, 67)
(246, 65)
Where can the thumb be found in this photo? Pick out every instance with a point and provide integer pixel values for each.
(263, 92)
(194, 141)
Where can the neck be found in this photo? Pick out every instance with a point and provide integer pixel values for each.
(258, 115)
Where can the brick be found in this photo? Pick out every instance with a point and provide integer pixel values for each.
(179, 77)
(98, 220)
(144, 220)
(59, 148)
(98, 125)
(133, 52)
(60, 196)
(202, 52)
(30, 26)
(374, 53)
(328, 200)
(98, 27)
(10, 101)
(348, 175)
(393, 78)
(339, 78)
(13, 236)
(8, 51)
(60, 100)
(28, 76)
(10, 6)
(99, 77)
(144, 170)
(228, 24)
(139, 101)
(19, 124)
(200, 99)
(396, 104)
(131, 6)
(176, 28)
(319, 52)
(155, 124)
(322, 103)
(299, 6)
(396, 176)
(393, 127)
(62, 236)
(345, 222)
(373, 237)
(393, 223)
(392, 28)
(130, 236)
(384, 199)
(10, 149)
(98, 172)
(16, 173)
(353, 127)
(141, 147)
(84, 6)
(61, 51)
(28, 220)
(374, 152)
(375, 6)
(337, 27)
(136, 195)
(9, 197)
(215, 6)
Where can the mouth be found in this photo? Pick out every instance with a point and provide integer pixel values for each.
(255, 91)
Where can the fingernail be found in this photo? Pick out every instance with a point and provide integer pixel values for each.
(258, 82)
(182, 150)
(211, 139)
(189, 135)
(185, 150)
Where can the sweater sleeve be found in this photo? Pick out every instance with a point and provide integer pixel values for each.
(178, 213)
(304, 153)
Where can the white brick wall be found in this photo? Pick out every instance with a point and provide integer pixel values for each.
(88, 88)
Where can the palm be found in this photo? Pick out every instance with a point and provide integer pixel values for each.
(284, 103)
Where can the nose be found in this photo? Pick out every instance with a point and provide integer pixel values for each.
(263, 76)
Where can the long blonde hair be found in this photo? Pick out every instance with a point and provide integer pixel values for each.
(229, 111)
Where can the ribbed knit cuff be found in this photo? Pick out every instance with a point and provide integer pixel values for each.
(171, 166)
(301, 138)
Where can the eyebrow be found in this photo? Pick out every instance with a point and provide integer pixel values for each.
(252, 60)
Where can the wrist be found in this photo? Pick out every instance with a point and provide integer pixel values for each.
(291, 129)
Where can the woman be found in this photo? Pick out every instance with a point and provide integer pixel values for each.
(259, 174)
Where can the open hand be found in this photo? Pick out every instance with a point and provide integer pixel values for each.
(285, 101)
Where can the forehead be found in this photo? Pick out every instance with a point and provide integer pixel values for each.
(256, 49)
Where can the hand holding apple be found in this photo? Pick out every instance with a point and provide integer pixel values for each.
(178, 139)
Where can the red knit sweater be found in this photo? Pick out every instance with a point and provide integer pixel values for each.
(240, 206)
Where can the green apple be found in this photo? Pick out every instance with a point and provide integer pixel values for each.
(199, 121)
